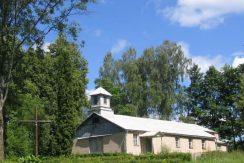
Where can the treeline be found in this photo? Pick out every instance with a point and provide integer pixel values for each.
(215, 99)
(54, 83)
(154, 84)
(149, 83)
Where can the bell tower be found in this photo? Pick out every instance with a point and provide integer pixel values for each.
(100, 102)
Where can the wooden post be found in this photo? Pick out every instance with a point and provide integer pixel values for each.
(36, 121)
(36, 135)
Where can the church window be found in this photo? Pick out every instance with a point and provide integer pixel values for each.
(135, 139)
(105, 100)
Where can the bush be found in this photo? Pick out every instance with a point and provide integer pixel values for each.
(29, 159)
(166, 156)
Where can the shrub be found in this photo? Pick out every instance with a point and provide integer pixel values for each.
(29, 159)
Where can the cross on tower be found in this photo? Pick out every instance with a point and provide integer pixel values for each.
(36, 121)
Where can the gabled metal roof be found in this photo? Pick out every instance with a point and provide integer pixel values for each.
(100, 90)
(153, 125)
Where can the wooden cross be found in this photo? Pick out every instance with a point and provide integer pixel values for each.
(36, 121)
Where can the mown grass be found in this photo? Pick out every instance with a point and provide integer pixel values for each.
(211, 157)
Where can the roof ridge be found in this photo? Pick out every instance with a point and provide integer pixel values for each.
(155, 119)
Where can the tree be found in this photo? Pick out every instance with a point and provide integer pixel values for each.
(191, 101)
(151, 93)
(150, 83)
(214, 99)
(36, 83)
(118, 99)
(240, 107)
(131, 81)
(18, 140)
(204, 98)
(71, 70)
(171, 66)
(109, 70)
(212, 108)
(25, 94)
(24, 23)
(230, 93)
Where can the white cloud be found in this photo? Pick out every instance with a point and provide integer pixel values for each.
(203, 61)
(237, 61)
(88, 92)
(185, 48)
(203, 13)
(44, 47)
(119, 46)
(98, 32)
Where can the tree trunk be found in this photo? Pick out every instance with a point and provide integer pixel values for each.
(2, 100)
(1, 131)
(233, 134)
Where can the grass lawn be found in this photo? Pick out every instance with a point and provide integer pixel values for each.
(213, 157)
(222, 157)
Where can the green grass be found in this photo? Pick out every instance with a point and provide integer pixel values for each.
(212, 157)
(108, 158)
(222, 157)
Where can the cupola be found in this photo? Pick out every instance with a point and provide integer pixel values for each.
(100, 102)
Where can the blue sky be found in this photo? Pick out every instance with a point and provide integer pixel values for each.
(209, 31)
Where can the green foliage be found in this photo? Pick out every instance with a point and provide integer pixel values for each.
(70, 84)
(150, 82)
(222, 157)
(19, 140)
(118, 98)
(24, 24)
(119, 157)
(29, 159)
(210, 157)
(53, 82)
(214, 100)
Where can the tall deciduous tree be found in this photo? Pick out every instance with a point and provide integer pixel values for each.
(150, 94)
(109, 70)
(131, 81)
(25, 94)
(151, 82)
(171, 66)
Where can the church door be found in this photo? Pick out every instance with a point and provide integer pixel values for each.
(96, 145)
(148, 143)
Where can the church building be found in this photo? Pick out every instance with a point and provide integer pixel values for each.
(106, 132)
